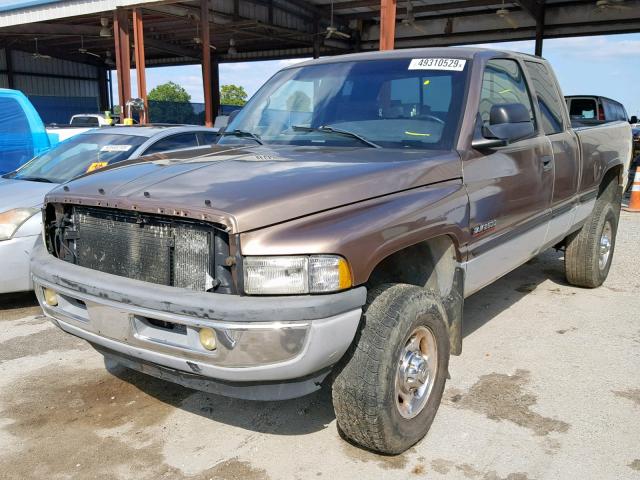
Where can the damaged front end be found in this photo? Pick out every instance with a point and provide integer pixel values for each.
(157, 249)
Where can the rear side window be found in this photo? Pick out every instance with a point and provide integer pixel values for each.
(583, 108)
(549, 100)
(16, 142)
(503, 82)
(174, 142)
(610, 113)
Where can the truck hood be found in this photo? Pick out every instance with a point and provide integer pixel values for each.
(22, 193)
(246, 188)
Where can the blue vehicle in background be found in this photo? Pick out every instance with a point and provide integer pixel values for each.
(22, 133)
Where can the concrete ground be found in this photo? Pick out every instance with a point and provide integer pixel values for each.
(548, 387)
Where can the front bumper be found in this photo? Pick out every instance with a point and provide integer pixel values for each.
(14, 258)
(260, 339)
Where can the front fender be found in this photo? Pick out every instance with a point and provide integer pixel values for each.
(367, 232)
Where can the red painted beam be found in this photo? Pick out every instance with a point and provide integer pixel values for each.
(123, 56)
(141, 74)
(206, 63)
(387, 24)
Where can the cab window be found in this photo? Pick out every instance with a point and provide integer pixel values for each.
(503, 82)
(548, 97)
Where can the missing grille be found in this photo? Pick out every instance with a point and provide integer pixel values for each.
(152, 248)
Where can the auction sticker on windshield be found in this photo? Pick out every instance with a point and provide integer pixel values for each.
(453, 64)
(116, 148)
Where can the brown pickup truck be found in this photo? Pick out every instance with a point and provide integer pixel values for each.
(333, 234)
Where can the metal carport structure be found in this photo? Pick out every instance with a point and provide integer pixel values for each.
(139, 33)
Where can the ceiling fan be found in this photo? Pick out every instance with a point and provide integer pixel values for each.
(332, 30)
(84, 51)
(410, 20)
(198, 41)
(38, 55)
(603, 5)
(108, 59)
(505, 15)
(105, 30)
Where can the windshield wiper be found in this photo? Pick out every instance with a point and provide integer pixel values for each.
(242, 133)
(337, 131)
(34, 179)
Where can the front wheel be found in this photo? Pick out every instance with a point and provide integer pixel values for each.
(390, 387)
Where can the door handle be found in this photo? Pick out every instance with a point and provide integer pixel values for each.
(547, 162)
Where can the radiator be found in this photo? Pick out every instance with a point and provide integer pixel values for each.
(145, 247)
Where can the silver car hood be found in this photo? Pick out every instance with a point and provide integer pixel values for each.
(22, 193)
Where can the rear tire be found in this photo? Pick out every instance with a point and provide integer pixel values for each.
(391, 383)
(590, 250)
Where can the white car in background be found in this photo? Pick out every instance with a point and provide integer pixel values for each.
(22, 192)
(91, 120)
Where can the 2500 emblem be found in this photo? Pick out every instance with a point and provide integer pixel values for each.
(483, 227)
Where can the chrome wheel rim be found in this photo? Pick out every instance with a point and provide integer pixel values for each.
(605, 245)
(416, 373)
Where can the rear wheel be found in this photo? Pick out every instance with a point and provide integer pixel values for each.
(589, 251)
(389, 389)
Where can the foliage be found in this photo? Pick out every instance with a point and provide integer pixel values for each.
(233, 95)
(169, 92)
(170, 103)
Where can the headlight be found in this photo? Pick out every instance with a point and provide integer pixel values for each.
(11, 220)
(295, 275)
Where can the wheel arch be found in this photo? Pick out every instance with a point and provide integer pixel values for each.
(433, 264)
(613, 172)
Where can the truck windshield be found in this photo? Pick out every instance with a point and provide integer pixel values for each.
(379, 103)
(80, 154)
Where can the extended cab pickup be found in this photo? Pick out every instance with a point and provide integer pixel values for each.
(333, 234)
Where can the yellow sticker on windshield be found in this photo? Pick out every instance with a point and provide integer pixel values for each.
(427, 82)
(418, 134)
(96, 166)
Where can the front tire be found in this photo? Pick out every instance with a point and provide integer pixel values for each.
(390, 387)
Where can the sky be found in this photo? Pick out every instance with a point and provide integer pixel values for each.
(601, 65)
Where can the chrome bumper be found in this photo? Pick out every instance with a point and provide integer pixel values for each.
(258, 339)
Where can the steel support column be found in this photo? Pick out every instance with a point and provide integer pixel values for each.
(141, 74)
(206, 62)
(103, 89)
(123, 57)
(539, 29)
(215, 85)
(317, 39)
(8, 56)
(387, 24)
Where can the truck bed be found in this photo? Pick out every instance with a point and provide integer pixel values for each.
(600, 148)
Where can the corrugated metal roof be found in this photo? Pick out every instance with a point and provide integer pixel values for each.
(20, 12)
(7, 5)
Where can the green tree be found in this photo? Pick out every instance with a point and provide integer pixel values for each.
(169, 92)
(170, 103)
(233, 95)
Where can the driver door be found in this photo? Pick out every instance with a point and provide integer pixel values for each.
(509, 188)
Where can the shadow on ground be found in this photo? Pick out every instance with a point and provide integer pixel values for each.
(299, 416)
(18, 300)
(494, 299)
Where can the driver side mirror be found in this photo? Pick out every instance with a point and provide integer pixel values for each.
(633, 119)
(508, 122)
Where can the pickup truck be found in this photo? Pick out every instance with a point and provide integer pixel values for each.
(22, 133)
(594, 109)
(332, 235)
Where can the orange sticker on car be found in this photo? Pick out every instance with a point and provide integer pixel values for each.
(96, 166)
